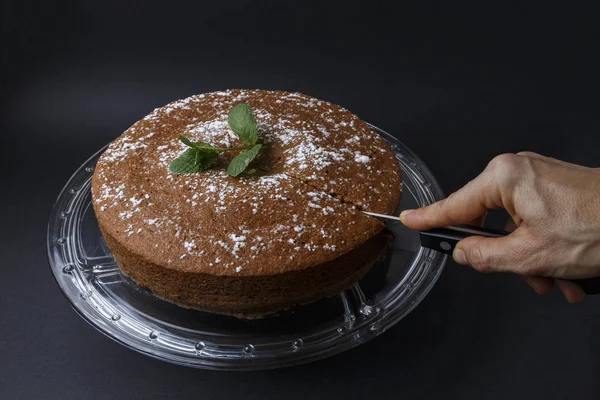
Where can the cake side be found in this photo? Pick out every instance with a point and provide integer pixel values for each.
(250, 296)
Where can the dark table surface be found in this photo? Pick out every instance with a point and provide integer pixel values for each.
(457, 84)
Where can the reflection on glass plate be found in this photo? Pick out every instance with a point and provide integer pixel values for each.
(89, 278)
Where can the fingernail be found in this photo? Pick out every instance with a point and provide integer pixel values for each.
(459, 256)
(404, 213)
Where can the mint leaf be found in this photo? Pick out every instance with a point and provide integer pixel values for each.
(198, 145)
(185, 163)
(186, 141)
(242, 123)
(242, 160)
(193, 160)
(206, 159)
(202, 146)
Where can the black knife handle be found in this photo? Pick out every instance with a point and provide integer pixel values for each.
(445, 240)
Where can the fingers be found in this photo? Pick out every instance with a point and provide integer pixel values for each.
(504, 254)
(468, 204)
(491, 189)
(509, 254)
(573, 292)
(539, 284)
(461, 207)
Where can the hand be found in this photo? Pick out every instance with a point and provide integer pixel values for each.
(556, 209)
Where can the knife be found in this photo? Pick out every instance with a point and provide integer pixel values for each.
(446, 238)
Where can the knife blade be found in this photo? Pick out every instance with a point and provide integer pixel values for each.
(372, 214)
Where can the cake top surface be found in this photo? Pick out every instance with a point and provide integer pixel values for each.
(324, 165)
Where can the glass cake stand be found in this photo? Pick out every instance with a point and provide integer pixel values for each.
(89, 278)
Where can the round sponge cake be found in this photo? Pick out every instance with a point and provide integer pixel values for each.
(288, 235)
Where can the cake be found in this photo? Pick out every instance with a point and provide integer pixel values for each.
(290, 234)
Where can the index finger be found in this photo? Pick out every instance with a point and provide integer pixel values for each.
(468, 203)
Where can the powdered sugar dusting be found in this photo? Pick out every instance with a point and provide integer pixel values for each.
(361, 158)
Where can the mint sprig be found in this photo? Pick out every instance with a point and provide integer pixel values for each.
(200, 156)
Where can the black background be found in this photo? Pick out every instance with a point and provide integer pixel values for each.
(456, 83)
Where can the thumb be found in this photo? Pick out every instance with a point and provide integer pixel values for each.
(505, 254)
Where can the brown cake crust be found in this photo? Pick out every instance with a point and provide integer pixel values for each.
(252, 245)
